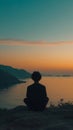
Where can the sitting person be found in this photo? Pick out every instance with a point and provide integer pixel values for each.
(36, 97)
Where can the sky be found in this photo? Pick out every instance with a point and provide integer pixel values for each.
(37, 34)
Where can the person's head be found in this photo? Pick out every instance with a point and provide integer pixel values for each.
(36, 76)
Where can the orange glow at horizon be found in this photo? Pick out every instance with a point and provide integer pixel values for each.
(47, 58)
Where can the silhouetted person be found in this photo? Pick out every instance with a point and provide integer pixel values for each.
(36, 97)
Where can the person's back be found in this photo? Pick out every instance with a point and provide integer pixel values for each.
(36, 91)
(36, 94)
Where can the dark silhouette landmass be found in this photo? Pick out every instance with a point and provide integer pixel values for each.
(18, 73)
(52, 118)
(7, 79)
(60, 75)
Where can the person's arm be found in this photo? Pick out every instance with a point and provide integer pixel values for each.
(27, 93)
(45, 94)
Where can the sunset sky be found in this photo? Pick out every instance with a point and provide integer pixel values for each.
(37, 34)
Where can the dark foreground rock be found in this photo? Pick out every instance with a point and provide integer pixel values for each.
(20, 118)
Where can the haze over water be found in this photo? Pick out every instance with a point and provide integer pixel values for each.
(57, 88)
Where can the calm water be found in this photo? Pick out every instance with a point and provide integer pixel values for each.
(57, 88)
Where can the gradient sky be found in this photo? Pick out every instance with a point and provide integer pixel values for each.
(37, 34)
(50, 20)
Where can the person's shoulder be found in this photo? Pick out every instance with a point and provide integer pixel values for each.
(30, 86)
(43, 86)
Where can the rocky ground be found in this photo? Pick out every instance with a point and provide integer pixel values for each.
(20, 118)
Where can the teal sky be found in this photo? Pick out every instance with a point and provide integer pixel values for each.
(34, 20)
(37, 34)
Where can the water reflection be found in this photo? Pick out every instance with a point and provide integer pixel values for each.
(57, 88)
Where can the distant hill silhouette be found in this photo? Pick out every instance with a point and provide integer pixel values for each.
(18, 73)
(7, 79)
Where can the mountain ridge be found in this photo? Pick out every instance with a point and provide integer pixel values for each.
(7, 80)
(18, 73)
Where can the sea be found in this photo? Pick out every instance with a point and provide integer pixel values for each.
(57, 88)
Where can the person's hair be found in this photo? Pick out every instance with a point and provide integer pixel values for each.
(36, 76)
